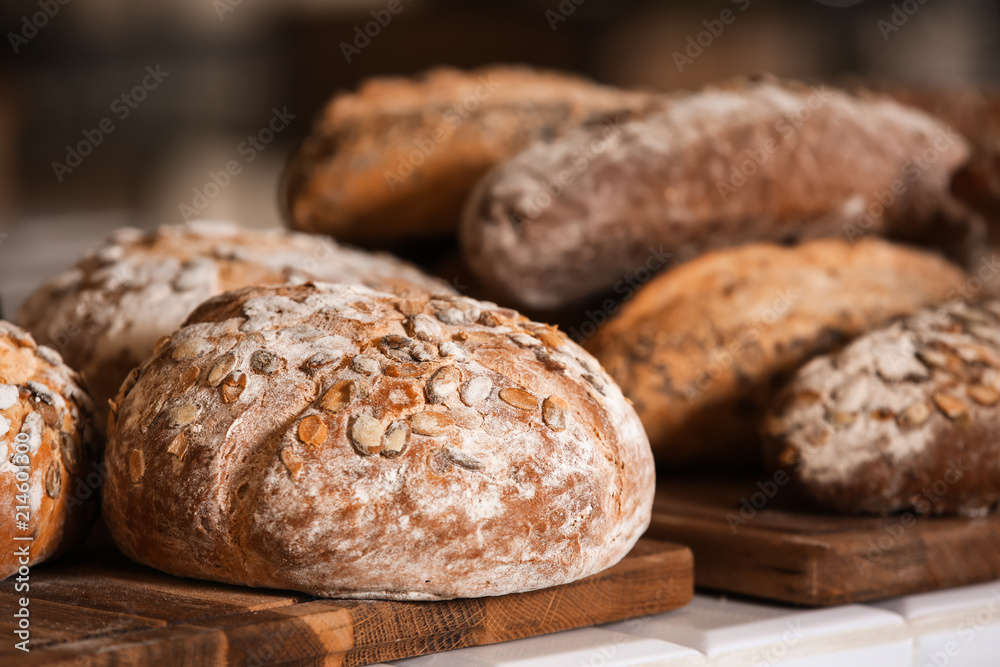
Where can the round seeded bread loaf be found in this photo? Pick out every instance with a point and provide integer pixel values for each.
(105, 315)
(703, 348)
(49, 470)
(345, 442)
(904, 418)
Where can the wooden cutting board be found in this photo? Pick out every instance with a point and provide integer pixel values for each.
(748, 537)
(98, 608)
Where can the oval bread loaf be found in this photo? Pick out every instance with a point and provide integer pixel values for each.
(345, 442)
(396, 159)
(904, 418)
(565, 220)
(49, 456)
(105, 315)
(703, 348)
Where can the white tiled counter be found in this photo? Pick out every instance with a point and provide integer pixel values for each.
(588, 647)
(954, 628)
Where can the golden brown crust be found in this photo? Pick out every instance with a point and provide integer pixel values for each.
(396, 159)
(47, 443)
(904, 418)
(701, 349)
(345, 442)
(765, 161)
(105, 315)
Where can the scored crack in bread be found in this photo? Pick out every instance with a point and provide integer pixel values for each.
(105, 314)
(49, 455)
(904, 418)
(345, 442)
(762, 161)
(396, 159)
(703, 348)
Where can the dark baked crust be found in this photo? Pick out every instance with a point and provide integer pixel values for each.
(42, 398)
(904, 418)
(702, 349)
(653, 183)
(971, 110)
(396, 159)
(249, 449)
(105, 315)
(975, 112)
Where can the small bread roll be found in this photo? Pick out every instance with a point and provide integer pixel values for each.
(105, 315)
(345, 442)
(906, 417)
(49, 456)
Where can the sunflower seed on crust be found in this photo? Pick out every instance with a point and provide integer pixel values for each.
(365, 434)
(519, 398)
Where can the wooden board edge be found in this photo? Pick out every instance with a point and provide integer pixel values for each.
(322, 624)
(804, 573)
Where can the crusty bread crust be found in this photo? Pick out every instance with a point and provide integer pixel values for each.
(105, 314)
(765, 161)
(702, 349)
(345, 442)
(396, 159)
(47, 437)
(904, 418)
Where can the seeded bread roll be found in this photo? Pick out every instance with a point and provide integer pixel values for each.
(565, 220)
(344, 442)
(702, 349)
(105, 315)
(904, 418)
(396, 159)
(49, 457)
